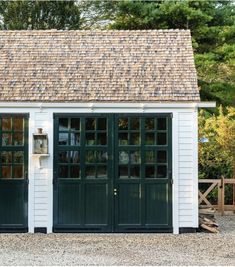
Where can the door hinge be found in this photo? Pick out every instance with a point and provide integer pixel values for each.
(172, 181)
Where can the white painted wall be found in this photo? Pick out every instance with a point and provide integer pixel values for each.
(184, 127)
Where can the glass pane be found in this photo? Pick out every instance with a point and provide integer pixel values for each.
(6, 124)
(18, 124)
(135, 157)
(18, 157)
(75, 124)
(6, 157)
(134, 138)
(135, 123)
(63, 171)
(161, 171)
(123, 139)
(75, 139)
(102, 156)
(149, 124)
(101, 124)
(135, 172)
(74, 157)
(64, 157)
(161, 124)
(63, 139)
(161, 139)
(123, 124)
(149, 171)
(123, 157)
(149, 139)
(161, 157)
(90, 124)
(101, 171)
(90, 139)
(91, 156)
(75, 171)
(63, 124)
(150, 157)
(90, 171)
(6, 172)
(18, 171)
(123, 171)
(18, 139)
(6, 139)
(102, 139)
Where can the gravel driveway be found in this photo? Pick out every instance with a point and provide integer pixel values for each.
(121, 249)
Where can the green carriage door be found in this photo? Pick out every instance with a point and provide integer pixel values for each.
(143, 179)
(13, 172)
(82, 173)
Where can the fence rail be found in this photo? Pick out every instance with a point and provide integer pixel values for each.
(220, 184)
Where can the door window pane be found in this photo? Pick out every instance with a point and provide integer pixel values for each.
(6, 124)
(75, 124)
(63, 124)
(161, 123)
(90, 156)
(161, 171)
(63, 171)
(123, 139)
(74, 157)
(101, 124)
(123, 124)
(150, 156)
(74, 171)
(102, 139)
(90, 139)
(149, 139)
(149, 171)
(6, 139)
(123, 157)
(161, 139)
(134, 139)
(75, 139)
(134, 123)
(90, 171)
(123, 171)
(161, 157)
(18, 139)
(6, 157)
(63, 139)
(101, 171)
(18, 171)
(135, 172)
(18, 124)
(18, 157)
(6, 172)
(90, 124)
(63, 157)
(102, 156)
(135, 157)
(149, 124)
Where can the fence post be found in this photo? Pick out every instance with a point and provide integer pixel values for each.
(222, 195)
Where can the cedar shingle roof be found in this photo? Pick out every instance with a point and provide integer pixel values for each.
(82, 66)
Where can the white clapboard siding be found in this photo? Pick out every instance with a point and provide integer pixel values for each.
(186, 170)
(42, 120)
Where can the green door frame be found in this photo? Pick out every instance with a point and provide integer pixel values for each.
(17, 187)
(112, 180)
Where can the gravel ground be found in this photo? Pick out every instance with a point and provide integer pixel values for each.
(121, 249)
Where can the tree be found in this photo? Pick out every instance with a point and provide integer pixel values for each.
(39, 15)
(217, 157)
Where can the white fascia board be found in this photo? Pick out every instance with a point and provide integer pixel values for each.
(103, 105)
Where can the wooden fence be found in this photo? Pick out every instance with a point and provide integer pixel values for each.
(220, 184)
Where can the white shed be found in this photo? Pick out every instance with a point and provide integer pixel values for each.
(119, 112)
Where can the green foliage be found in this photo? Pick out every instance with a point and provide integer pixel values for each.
(217, 157)
(39, 15)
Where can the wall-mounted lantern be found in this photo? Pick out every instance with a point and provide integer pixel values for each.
(40, 142)
(40, 145)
